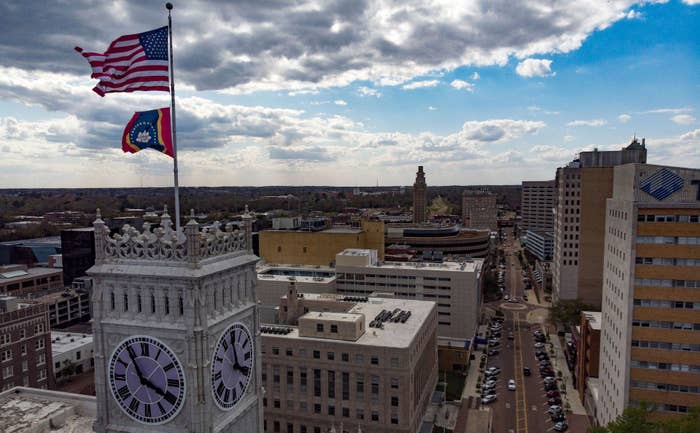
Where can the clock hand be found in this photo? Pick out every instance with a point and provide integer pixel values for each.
(153, 387)
(233, 347)
(139, 373)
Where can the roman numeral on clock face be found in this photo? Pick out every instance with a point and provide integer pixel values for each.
(131, 351)
(169, 367)
(227, 393)
(174, 382)
(220, 389)
(225, 344)
(123, 392)
(217, 375)
(170, 397)
(147, 410)
(119, 376)
(161, 408)
(144, 349)
(134, 405)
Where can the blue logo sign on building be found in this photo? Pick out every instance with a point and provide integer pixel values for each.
(662, 184)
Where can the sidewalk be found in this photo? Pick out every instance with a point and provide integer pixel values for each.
(559, 363)
(473, 373)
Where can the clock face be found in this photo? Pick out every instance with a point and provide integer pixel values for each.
(147, 380)
(232, 366)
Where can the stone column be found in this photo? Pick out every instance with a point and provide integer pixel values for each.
(248, 224)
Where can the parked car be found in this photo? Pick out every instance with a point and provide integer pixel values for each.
(539, 345)
(550, 386)
(506, 297)
(493, 352)
(548, 298)
(525, 298)
(488, 399)
(494, 370)
(553, 393)
(510, 336)
(546, 373)
(553, 401)
(557, 417)
(555, 409)
(549, 379)
(561, 426)
(526, 371)
(511, 385)
(489, 391)
(545, 363)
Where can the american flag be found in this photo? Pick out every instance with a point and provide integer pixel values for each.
(132, 63)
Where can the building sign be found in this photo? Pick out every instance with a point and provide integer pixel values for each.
(662, 184)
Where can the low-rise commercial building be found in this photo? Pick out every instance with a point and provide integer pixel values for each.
(72, 354)
(19, 280)
(454, 286)
(319, 247)
(367, 363)
(65, 306)
(25, 351)
(588, 352)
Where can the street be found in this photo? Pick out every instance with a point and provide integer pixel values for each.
(525, 409)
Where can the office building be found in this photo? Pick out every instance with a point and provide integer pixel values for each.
(437, 242)
(588, 350)
(650, 330)
(579, 221)
(454, 286)
(25, 345)
(65, 306)
(72, 354)
(355, 363)
(78, 251)
(29, 251)
(540, 244)
(420, 197)
(179, 311)
(479, 210)
(319, 247)
(19, 280)
(537, 206)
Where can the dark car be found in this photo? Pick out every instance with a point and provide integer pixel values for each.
(550, 386)
(553, 393)
(558, 417)
(545, 363)
(554, 400)
(545, 373)
(526, 371)
(493, 352)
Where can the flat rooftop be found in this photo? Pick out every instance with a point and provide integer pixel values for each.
(396, 335)
(28, 410)
(594, 318)
(21, 275)
(57, 296)
(62, 342)
(300, 273)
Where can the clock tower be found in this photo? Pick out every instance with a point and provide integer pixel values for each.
(176, 329)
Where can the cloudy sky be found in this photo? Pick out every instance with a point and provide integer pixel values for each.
(274, 92)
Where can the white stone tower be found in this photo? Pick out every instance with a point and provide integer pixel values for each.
(176, 330)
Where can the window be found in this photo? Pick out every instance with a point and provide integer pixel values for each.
(138, 303)
(290, 352)
(359, 358)
(317, 354)
(394, 383)
(334, 329)
(40, 344)
(375, 415)
(126, 302)
(276, 426)
(77, 355)
(39, 329)
(166, 302)
(374, 360)
(317, 408)
(5, 355)
(346, 386)
(331, 384)
(317, 382)
(395, 401)
(182, 306)
(22, 334)
(24, 349)
(331, 409)
(25, 365)
(394, 362)
(394, 419)
(302, 406)
(290, 428)
(360, 384)
(153, 304)
(275, 350)
(112, 301)
(276, 404)
(7, 372)
(331, 356)
(290, 378)
(319, 327)
(360, 414)
(42, 359)
(375, 387)
(346, 412)
(302, 379)
(345, 357)
(5, 339)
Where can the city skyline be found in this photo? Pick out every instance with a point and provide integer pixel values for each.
(340, 94)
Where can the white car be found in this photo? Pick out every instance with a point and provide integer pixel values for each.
(506, 297)
(511, 385)
(488, 399)
(555, 409)
(489, 382)
(539, 345)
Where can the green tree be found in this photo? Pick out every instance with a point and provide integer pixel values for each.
(635, 419)
(565, 312)
(689, 423)
(597, 429)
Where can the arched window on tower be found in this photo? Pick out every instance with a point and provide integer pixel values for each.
(112, 300)
(153, 304)
(126, 302)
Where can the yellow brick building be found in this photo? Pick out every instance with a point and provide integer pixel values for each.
(319, 248)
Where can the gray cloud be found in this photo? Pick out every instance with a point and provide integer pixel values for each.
(251, 45)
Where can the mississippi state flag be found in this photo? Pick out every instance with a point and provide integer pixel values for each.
(149, 130)
(131, 63)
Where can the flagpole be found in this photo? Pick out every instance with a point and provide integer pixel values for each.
(169, 7)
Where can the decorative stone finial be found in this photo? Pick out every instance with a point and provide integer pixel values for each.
(98, 214)
(192, 213)
(165, 210)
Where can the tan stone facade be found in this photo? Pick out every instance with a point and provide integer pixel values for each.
(479, 210)
(319, 248)
(588, 350)
(650, 337)
(536, 205)
(335, 370)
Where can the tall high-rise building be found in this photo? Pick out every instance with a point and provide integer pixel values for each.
(579, 221)
(176, 330)
(420, 199)
(479, 210)
(536, 206)
(650, 331)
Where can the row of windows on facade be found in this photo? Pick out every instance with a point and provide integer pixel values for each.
(9, 383)
(663, 407)
(32, 283)
(139, 304)
(6, 355)
(665, 387)
(669, 240)
(686, 326)
(667, 261)
(665, 366)
(6, 338)
(345, 357)
(667, 283)
(361, 277)
(665, 345)
(616, 213)
(375, 382)
(303, 428)
(8, 371)
(668, 218)
(660, 303)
